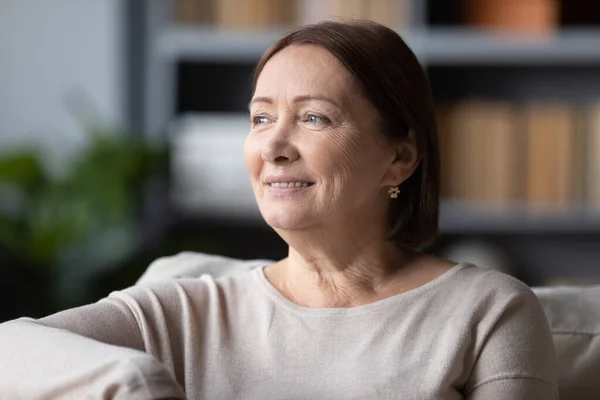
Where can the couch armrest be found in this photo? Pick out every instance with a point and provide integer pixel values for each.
(574, 317)
(194, 265)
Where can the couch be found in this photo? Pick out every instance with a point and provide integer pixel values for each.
(573, 314)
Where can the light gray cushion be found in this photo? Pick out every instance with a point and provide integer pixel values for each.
(194, 265)
(574, 317)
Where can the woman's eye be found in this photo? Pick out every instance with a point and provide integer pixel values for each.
(259, 120)
(316, 119)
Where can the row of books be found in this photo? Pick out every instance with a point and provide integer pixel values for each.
(241, 14)
(513, 15)
(546, 155)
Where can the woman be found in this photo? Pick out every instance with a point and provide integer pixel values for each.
(342, 157)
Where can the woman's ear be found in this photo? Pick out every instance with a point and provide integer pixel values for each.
(406, 160)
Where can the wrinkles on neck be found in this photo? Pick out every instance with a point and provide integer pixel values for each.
(319, 276)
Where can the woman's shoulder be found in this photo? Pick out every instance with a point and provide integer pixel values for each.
(468, 280)
(489, 282)
(485, 294)
(511, 339)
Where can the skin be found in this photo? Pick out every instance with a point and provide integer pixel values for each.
(310, 122)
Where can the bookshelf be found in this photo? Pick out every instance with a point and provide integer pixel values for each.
(435, 46)
(471, 219)
(203, 71)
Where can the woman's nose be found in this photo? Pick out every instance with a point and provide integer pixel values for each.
(279, 149)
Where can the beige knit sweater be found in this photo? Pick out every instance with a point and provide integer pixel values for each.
(471, 333)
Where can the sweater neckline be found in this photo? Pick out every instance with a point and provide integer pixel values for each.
(278, 298)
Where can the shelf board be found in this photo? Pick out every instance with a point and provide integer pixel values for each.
(438, 46)
(207, 44)
(460, 47)
(463, 218)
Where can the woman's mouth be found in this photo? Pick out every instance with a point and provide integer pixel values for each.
(289, 184)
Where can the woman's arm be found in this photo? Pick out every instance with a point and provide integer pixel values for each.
(514, 388)
(516, 359)
(99, 350)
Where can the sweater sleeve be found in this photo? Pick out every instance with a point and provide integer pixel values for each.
(516, 358)
(514, 388)
(100, 350)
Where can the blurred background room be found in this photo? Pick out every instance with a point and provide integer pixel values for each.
(122, 125)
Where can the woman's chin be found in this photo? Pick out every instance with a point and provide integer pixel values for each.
(284, 219)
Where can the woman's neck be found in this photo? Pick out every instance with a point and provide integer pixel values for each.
(338, 273)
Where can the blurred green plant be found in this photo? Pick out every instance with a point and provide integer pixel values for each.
(72, 226)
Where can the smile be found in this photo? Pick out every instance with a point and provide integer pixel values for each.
(289, 184)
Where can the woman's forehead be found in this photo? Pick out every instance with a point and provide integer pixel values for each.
(304, 70)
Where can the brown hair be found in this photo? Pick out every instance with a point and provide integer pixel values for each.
(394, 82)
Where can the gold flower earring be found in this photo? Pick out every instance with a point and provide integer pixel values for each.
(394, 190)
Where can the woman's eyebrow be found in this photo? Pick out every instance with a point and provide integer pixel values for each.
(297, 99)
(263, 99)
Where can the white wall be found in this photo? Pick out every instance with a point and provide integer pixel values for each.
(51, 50)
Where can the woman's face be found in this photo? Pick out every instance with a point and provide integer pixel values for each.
(314, 153)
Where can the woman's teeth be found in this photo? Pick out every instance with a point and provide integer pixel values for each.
(288, 184)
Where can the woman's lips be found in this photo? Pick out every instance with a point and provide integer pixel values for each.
(288, 187)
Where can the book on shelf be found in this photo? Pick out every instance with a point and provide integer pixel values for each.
(252, 14)
(519, 16)
(194, 12)
(552, 168)
(502, 153)
(395, 14)
(392, 13)
(479, 151)
(457, 152)
(235, 14)
(592, 155)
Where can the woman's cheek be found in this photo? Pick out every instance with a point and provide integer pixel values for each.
(252, 157)
(346, 149)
